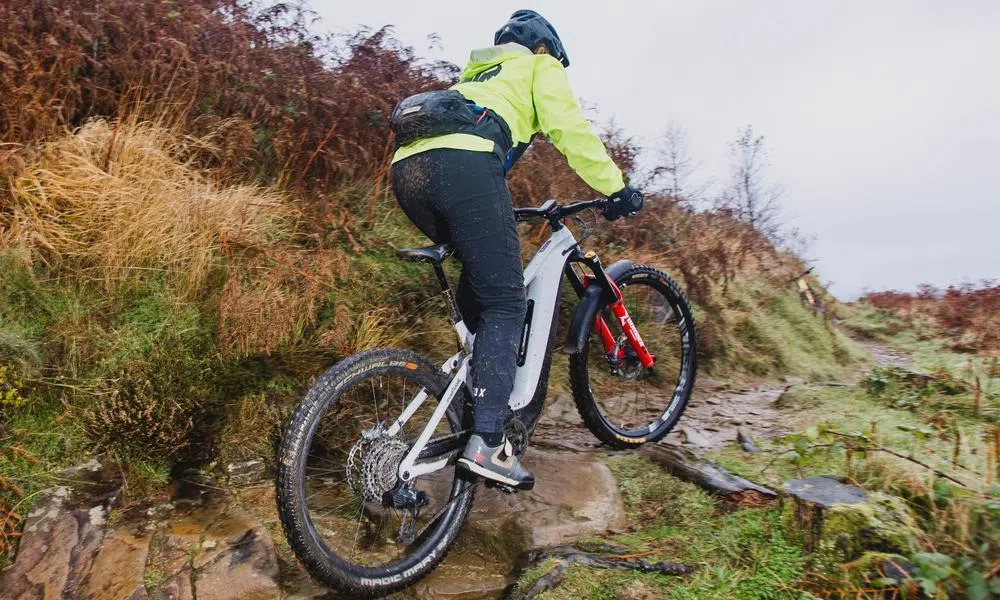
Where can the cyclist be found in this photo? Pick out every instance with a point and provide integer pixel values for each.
(448, 176)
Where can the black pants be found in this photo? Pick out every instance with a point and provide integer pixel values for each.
(461, 197)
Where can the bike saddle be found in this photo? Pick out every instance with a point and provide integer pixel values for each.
(432, 254)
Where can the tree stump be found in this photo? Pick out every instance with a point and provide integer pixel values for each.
(812, 498)
(838, 523)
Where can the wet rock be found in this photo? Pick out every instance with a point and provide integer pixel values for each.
(695, 437)
(168, 574)
(247, 472)
(562, 411)
(211, 548)
(246, 570)
(746, 440)
(463, 577)
(118, 568)
(62, 535)
(575, 496)
(201, 544)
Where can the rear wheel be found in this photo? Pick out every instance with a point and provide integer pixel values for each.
(622, 402)
(348, 517)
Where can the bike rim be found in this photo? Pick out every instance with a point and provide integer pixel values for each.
(632, 400)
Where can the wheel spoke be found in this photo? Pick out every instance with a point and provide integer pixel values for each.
(350, 475)
(631, 397)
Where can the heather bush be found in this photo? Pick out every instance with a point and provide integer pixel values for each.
(281, 103)
(967, 315)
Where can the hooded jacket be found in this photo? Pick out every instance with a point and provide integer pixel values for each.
(531, 93)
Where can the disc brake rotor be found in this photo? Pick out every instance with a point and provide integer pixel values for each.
(628, 367)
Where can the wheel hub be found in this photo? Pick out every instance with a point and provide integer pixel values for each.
(628, 367)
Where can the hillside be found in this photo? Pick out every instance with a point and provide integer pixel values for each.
(195, 221)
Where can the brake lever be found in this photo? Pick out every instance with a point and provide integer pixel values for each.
(587, 230)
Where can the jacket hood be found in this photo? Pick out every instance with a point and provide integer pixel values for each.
(483, 58)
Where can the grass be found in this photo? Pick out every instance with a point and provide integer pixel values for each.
(833, 430)
(764, 330)
(808, 451)
(737, 554)
(35, 443)
(120, 201)
(841, 430)
(918, 337)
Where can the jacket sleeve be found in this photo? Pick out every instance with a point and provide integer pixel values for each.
(562, 121)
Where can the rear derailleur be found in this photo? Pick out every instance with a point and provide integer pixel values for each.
(409, 501)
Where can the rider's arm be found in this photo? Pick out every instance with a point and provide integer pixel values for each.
(562, 121)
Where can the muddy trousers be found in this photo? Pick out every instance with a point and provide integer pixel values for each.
(460, 197)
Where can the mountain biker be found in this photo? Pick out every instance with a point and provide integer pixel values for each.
(448, 175)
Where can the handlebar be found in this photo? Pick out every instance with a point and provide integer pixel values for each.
(555, 212)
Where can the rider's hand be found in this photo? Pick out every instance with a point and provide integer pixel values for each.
(626, 202)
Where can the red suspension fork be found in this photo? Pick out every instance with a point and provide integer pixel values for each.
(628, 326)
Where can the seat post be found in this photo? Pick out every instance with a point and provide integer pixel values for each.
(449, 294)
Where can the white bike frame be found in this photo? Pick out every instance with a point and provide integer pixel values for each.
(542, 278)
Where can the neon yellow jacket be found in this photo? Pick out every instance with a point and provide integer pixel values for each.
(531, 93)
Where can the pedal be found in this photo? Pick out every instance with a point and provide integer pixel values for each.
(496, 485)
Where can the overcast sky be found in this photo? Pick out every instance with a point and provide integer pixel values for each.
(882, 117)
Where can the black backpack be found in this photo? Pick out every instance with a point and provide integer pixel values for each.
(441, 112)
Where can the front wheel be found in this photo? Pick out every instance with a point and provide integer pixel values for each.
(622, 402)
(350, 520)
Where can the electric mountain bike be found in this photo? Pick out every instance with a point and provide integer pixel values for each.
(368, 490)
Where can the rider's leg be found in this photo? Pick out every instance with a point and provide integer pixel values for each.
(480, 220)
(468, 305)
(468, 191)
(482, 227)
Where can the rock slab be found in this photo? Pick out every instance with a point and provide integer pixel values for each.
(62, 535)
(202, 546)
(575, 496)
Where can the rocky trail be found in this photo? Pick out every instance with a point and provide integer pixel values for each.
(213, 541)
(220, 540)
(216, 540)
(714, 417)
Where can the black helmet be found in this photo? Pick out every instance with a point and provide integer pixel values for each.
(528, 28)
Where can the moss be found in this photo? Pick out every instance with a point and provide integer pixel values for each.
(529, 577)
(848, 531)
(743, 554)
(886, 567)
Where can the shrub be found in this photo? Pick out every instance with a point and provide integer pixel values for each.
(967, 315)
(253, 75)
(116, 202)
